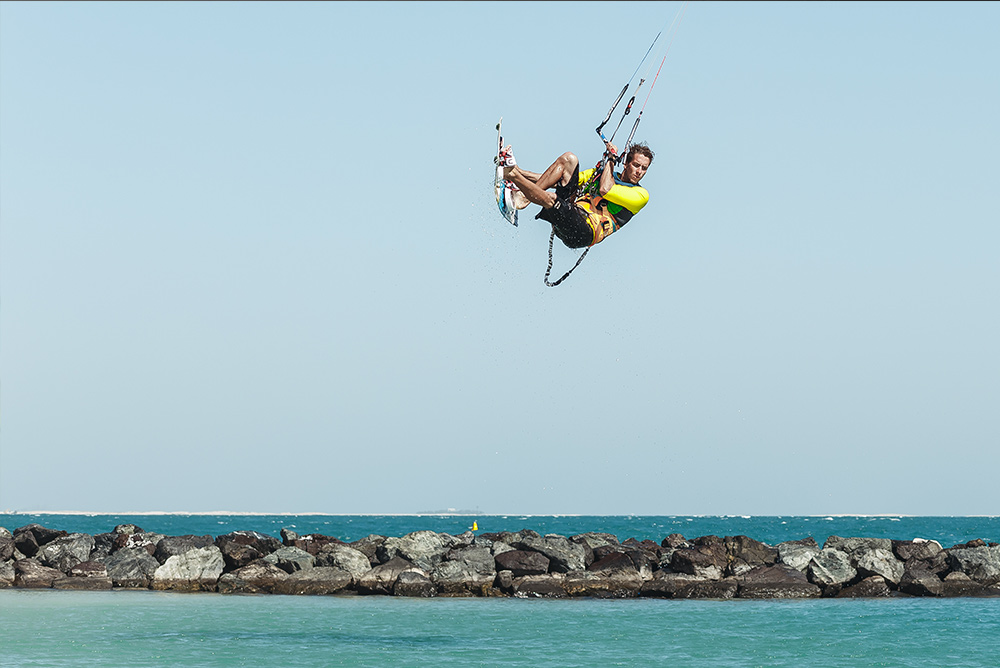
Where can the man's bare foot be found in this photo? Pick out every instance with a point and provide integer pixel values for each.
(520, 201)
(509, 172)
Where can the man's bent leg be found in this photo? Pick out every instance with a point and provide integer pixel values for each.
(535, 189)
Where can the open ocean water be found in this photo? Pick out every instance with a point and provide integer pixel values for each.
(64, 628)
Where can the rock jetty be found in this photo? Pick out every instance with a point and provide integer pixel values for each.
(521, 564)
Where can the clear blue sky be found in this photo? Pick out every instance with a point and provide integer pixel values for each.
(251, 260)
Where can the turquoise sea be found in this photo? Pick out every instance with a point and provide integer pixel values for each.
(63, 628)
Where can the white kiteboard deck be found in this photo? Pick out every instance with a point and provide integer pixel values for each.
(503, 188)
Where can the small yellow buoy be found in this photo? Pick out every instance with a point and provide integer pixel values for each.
(475, 526)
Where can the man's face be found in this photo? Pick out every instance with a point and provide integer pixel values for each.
(635, 168)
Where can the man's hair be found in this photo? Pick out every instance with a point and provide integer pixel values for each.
(640, 149)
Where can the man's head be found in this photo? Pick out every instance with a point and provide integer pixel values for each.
(638, 160)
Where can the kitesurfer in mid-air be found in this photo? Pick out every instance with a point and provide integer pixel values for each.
(583, 210)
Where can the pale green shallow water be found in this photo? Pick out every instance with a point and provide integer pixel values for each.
(61, 628)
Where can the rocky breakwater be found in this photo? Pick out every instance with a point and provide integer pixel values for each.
(520, 564)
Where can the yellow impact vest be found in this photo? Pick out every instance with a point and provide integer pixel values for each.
(607, 213)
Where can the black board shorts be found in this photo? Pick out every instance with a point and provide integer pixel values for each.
(569, 221)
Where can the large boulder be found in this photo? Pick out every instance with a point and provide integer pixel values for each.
(918, 581)
(594, 539)
(831, 567)
(131, 568)
(563, 554)
(797, 553)
(712, 589)
(744, 554)
(549, 585)
(414, 584)
(6, 548)
(239, 548)
(345, 558)
(30, 574)
(981, 564)
(615, 582)
(104, 544)
(706, 558)
(6, 574)
(666, 584)
(778, 581)
(462, 578)
(522, 562)
(29, 538)
(918, 548)
(132, 541)
(258, 577)
(311, 543)
(314, 581)
(369, 546)
(874, 586)
(171, 546)
(881, 562)
(424, 549)
(291, 559)
(382, 578)
(87, 575)
(66, 551)
(194, 570)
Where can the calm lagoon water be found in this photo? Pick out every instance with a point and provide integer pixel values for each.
(61, 628)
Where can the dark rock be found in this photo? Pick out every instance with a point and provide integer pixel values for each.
(42, 535)
(131, 568)
(743, 554)
(291, 559)
(382, 579)
(981, 563)
(462, 578)
(874, 586)
(6, 574)
(674, 541)
(664, 584)
(66, 551)
(88, 575)
(423, 549)
(960, 584)
(175, 545)
(345, 558)
(6, 548)
(851, 546)
(30, 574)
(605, 583)
(549, 585)
(881, 562)
(917, 581)
(287, 536)
(258, 577)
(615, 561)
(314, 581)
(779, 581)
(198, 569)
(563, 554)
(414, 584)
(717, 589)
(313, 542)
(919, 549)
(831, 567)
(522, 562)
(705, 558)
(138, 540)
(104, 543)
(797, 553)
(978, 542)
(25, 541)
(240, 548)
(368, 546)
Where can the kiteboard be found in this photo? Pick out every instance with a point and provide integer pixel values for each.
(503, 188)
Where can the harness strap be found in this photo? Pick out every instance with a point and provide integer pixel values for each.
(548, 269)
